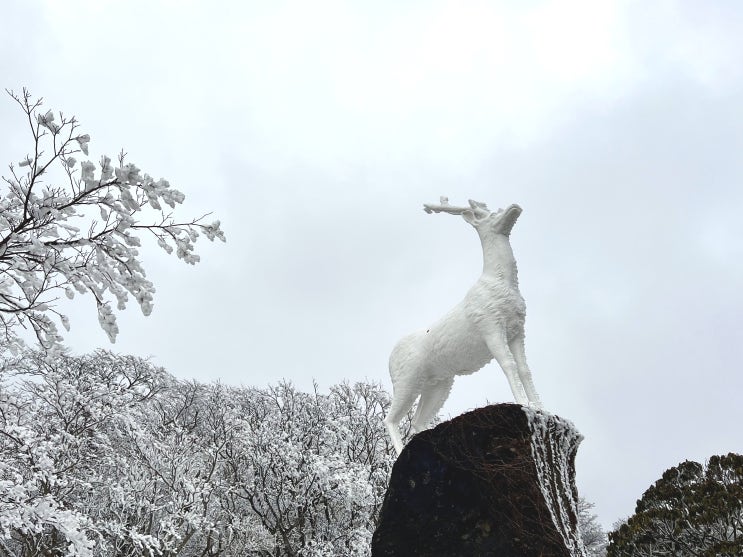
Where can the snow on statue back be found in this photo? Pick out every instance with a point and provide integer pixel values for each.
(487, 324)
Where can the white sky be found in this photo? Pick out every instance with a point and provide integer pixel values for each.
(316, 130)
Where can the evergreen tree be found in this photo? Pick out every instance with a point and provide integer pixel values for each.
(691, 510)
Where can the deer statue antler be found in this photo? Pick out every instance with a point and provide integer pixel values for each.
(478, 208)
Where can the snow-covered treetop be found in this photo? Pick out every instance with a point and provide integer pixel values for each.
(71, 226)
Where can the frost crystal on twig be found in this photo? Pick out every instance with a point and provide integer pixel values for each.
(68, 225)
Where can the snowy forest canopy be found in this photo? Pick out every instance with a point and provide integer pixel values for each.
(110, 455)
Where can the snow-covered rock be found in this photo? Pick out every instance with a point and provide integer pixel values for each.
(499, 480)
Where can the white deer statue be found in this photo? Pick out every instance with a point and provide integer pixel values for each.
(487, 324)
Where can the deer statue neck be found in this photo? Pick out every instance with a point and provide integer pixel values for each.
(498, 260)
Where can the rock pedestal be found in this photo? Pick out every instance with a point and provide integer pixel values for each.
(498, 481)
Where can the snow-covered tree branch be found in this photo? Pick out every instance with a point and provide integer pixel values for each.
(70, 226)
(593, 535)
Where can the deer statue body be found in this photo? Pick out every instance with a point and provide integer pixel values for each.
(487, 324)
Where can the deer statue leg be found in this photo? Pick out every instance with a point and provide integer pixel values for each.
(432, 399)
(502, 353)
(519, 354)
(404, 393)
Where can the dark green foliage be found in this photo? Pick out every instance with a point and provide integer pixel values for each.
(692, 510)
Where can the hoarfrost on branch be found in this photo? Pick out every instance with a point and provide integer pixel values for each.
(69, 226)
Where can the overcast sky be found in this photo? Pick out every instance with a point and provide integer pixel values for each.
(316, 130)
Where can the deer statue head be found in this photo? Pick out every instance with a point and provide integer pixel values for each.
(479, 216)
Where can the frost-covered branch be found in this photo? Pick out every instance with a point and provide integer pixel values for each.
(72, 227)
